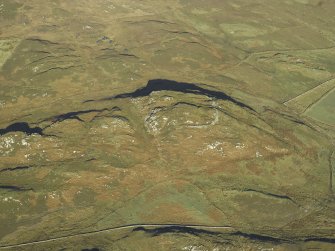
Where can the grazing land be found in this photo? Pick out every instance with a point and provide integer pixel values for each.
(167, 125)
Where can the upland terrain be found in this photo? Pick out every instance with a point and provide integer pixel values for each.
(151, 125)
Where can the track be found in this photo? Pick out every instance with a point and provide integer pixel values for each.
(112, 229)
(311, 90)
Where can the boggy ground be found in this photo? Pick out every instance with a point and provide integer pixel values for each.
(145, 125)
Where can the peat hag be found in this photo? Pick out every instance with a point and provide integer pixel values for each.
(170, 85)
(21, 127)
(174, 229)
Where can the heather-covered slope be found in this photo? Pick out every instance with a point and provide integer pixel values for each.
(154, 125)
